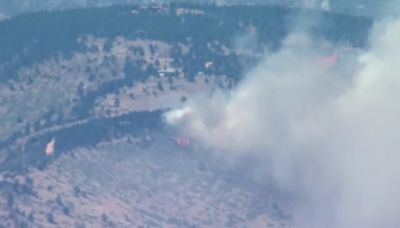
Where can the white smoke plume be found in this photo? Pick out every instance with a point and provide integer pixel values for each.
(330, 136)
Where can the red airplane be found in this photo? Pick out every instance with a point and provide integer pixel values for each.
(182, 141)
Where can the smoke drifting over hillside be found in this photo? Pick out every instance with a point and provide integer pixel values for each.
(329, 134)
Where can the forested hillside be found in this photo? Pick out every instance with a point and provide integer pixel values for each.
(351, 7)
(98, 53)
(45, 35)
(82, 94)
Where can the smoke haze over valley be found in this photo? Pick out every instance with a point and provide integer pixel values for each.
(327, 135)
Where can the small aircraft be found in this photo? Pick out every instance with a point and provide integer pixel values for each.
(50, 147)
(330, 60)
(181, 141)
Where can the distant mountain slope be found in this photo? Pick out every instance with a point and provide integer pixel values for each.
(352, 7)
(34, 37)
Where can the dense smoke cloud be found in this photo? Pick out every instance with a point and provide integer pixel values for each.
(329, 135)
